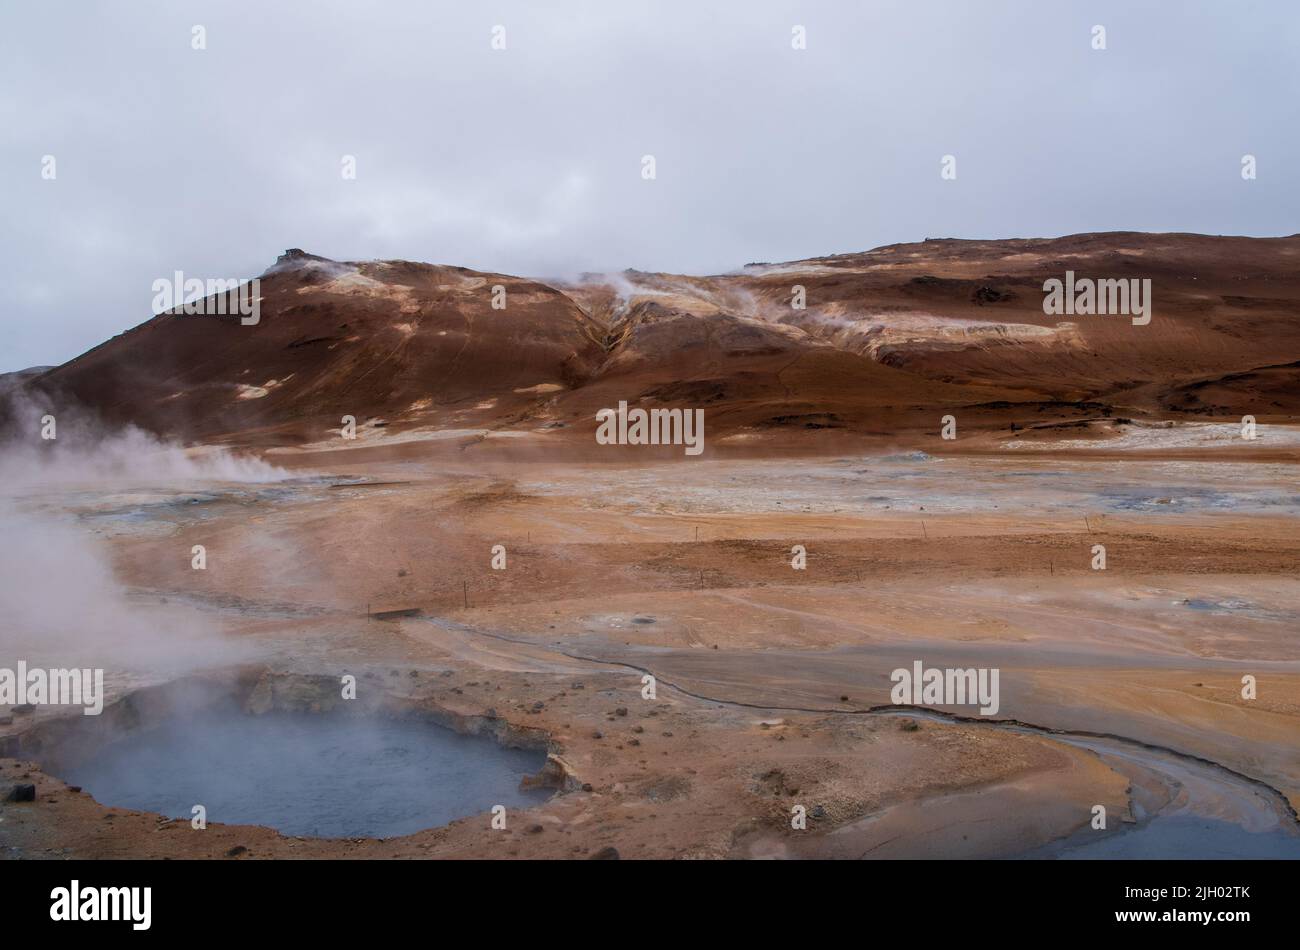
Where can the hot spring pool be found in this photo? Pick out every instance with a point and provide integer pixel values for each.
(317, 775)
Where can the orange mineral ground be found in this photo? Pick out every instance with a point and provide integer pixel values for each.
(703, 646)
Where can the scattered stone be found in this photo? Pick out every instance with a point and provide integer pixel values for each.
(819, 812)
(538, 706)
(620, 711)
(605, 854)
(598, 734)
(578, 685)
(536, 830)
(236, 851)
(22, 793)
(633, 741)
(586, 786)
(844, 699)
(985, 294)
(909, 725)
(638, 728)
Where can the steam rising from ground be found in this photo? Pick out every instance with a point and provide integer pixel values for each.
(61, 605)
(60, 601)
(84, 451)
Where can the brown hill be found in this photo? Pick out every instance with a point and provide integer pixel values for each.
(888, 341)
(386, 340)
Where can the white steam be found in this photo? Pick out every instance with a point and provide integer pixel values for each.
(83, 451)
(61, 602)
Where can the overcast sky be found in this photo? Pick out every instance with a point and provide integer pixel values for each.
(528, 160)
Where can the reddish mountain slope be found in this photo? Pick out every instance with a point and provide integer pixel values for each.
(888, 341)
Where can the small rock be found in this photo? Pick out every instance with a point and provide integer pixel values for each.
(236, 851)
(620, 711)
(605, 854)
(22, 793)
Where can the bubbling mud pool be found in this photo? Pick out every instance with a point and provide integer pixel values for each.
(309, 774)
